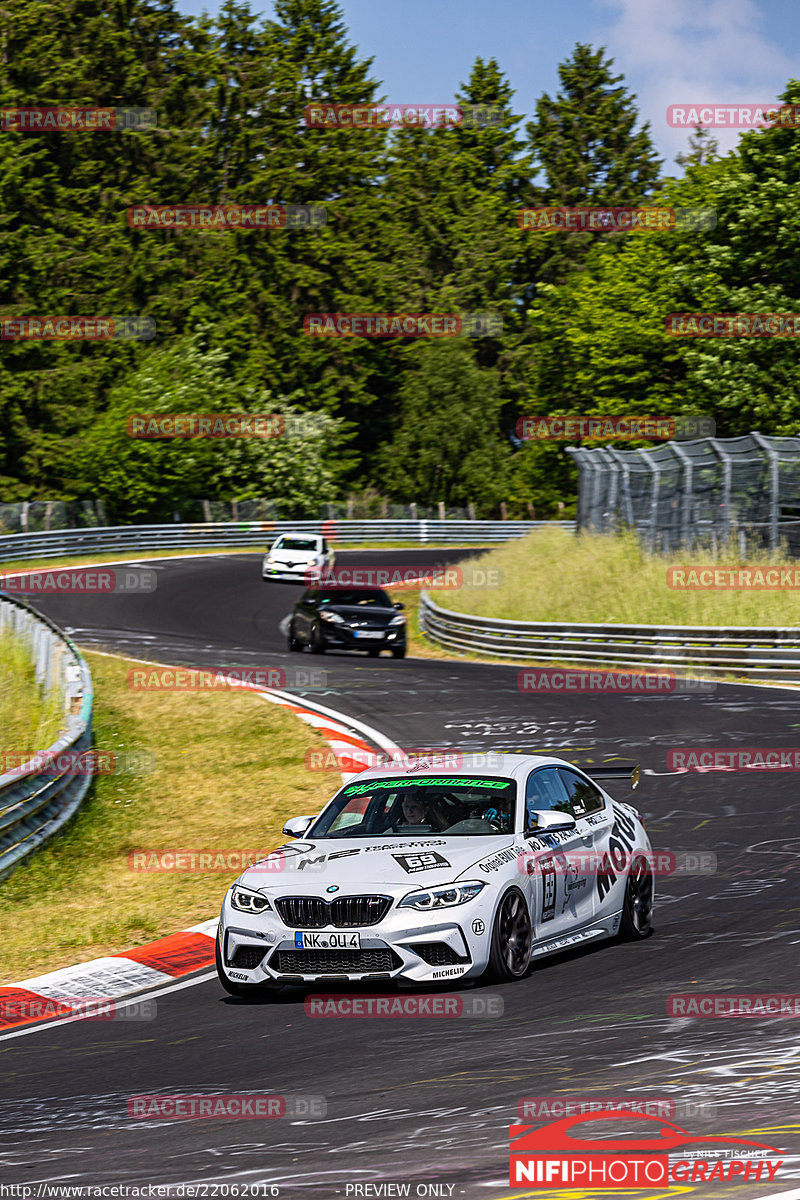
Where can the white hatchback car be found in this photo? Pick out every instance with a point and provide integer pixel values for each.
(298, 558)
(425, 876)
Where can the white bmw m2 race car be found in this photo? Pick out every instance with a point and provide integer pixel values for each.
(421, 876)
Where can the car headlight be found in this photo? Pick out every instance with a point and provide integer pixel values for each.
(442, 897)
(269, 561)
(397, 621)
(333, 617)
(248, 901)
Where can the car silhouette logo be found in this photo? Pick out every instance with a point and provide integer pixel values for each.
(556, 1137)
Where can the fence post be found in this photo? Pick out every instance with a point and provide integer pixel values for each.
(727, 473)
(774, 487)
(656, 473)
(441, 510)
(687, 491)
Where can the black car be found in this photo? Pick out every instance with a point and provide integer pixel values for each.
(348, 619)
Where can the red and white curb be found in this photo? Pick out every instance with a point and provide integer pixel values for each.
(69, 992)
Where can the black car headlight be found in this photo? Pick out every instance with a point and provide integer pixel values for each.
(246, 900)
(442, 897)
(333, 617)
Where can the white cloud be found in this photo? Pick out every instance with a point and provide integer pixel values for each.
(693, 51)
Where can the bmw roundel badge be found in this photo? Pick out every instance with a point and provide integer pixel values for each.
(332, 888)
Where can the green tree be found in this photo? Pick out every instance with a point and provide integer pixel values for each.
(64, 242)
(588, 151)
(145, 480)
(703, 147)
(446, 447)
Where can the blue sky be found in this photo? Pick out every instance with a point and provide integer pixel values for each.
(670, 51)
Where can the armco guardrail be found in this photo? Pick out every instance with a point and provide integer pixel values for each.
(124, 538)
(34, 805)
(752, 651)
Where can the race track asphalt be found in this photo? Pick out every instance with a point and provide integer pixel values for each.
(430, 1101)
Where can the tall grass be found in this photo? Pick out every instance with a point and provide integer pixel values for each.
(553, 575)
(29, 720)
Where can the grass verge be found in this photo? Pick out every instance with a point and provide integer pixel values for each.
(30, 721)
(551, 575)
(229, 771)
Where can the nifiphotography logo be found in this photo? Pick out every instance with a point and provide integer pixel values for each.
(552, 1156)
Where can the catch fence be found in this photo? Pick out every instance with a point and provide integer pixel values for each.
(705, 494)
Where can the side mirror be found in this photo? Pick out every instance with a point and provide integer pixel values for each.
(297, 826)
(552, 821)
(398, 605)
(312, 602)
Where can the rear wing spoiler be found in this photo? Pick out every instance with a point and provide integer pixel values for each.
(600, 774)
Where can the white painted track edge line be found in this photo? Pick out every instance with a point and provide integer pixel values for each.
(348, 722)
(135, 998)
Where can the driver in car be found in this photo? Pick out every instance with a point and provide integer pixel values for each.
(421, 812)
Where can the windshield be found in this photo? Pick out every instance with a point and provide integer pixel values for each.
(290, 543)
(454, 805)
(353, 596)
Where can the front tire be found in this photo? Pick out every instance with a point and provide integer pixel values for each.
(512, 939)
(317, 642)
(399, 652)
(294, 644)
(637, 910)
